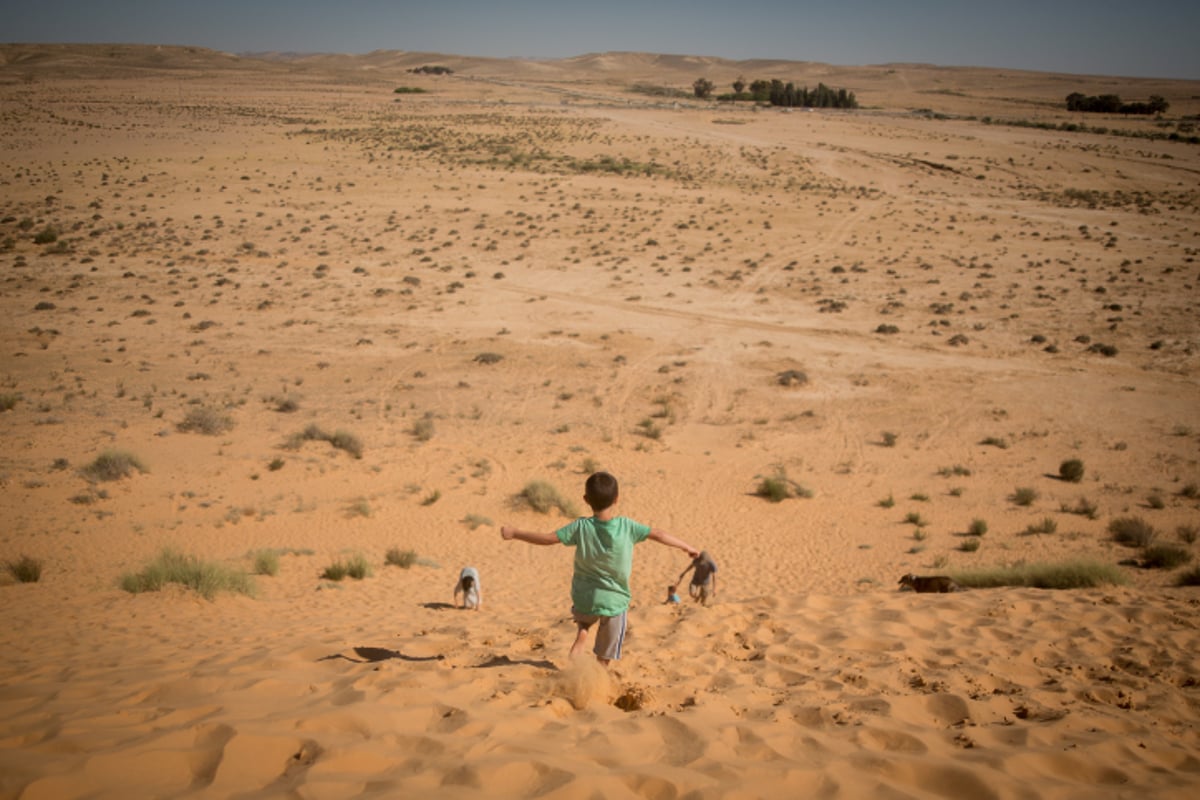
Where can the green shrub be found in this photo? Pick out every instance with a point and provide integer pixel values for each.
(1024, 496)
(206, 420)
(1047, 525)
(915, 518)
(112, 465)
(401, 558)
(335, 571)
(995, 441)
(1068, 575)
(1165, 556)
(541, 496)
(889, 438)
(978, 527)
(888, 501)
(343, 440)
(46, 235)
(1071, 470)
(358, 567)
(25, 569)
(1084, 508)
(969, 545)
(206, 578)
(1132, 531)
(422, 429)
(266, 562)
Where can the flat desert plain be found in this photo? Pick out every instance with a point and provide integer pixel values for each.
(273, 316)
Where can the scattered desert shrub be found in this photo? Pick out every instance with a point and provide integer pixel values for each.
(25, 569)
(1084, 508)
(431, 498)
(276, 464)
(995, 441)
(779, 487)
(978, 527)
(206, 420)
(1067, 575)
(473, 521)
(1047, 525)
(915, 518)
(488, 358)
(422, 429)
(1156, 502)
(47, 235)
(969, 545)
(359, 508)
(287, 404)
(8, 401)
(888, 501)
(206, 578)
(1132, 531)
(400, 558)
(335, 571)
(1189, 577)
(1024, 496)
(266, 562)
(791, 377)
(1071, 470)
(1165, 556)
(541, 496)
(1191, 491)
(343, 440)
(112, 465)
(358, 567)
(1186, 533)
(957, 470)
(889, 439)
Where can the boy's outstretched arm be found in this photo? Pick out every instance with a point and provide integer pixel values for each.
(662, 537)
(532, 537)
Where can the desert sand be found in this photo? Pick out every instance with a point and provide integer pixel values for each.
(528, 271)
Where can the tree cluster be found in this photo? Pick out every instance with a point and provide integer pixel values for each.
(788, 95)
(1111, 104)
(431, 70)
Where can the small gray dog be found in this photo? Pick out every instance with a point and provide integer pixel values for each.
(930, 583)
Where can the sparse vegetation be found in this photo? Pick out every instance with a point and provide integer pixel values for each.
(356, 567)
(889, 439)
(341, 440)
(1132, 531)
(1071, 470)
(543, 497)
(1067, 575)
(266, 562)
(25, 569)
(978, 527)
(1047, 525)
(400, 558)
(969, 545)
(1165, 556)
(1024, 496)
(206, 420)
(778, 487)
(113, 465)
(206, 578)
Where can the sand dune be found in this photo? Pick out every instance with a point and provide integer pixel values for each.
(329, 320)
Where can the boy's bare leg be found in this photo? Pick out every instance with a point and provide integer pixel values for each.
(581, 635)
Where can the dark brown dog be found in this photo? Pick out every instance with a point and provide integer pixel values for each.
(930, 583)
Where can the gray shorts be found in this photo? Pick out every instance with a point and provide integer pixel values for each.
(610, 633)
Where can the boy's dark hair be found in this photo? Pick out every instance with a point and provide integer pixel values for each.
(600, 491)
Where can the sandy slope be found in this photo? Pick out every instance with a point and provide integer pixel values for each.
(529, 273)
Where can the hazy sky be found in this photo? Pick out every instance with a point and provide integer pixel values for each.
(1152, 38)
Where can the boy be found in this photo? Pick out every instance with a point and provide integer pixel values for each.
(603, 546)
(705, 573)
(468, 586)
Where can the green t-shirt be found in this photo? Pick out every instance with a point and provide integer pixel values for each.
(603, 561)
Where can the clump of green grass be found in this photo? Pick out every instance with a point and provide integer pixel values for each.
(1067, 575)
(266, 562)
(1165, 556)
(1084, 507)
(400, 558)
(1132, 531)
(1047, 525)
(969, 545)
(341, 440)
(423, 429)
(473, 521)
(25, 569)
(112, 465)
(779, 487)
(888, 501)
(1071, 470)
(206, 578)
(978, 527)
(542, 497)
(915, 518)
(356, 567)
(432, 497)
(206, 420)
(1024, 496)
